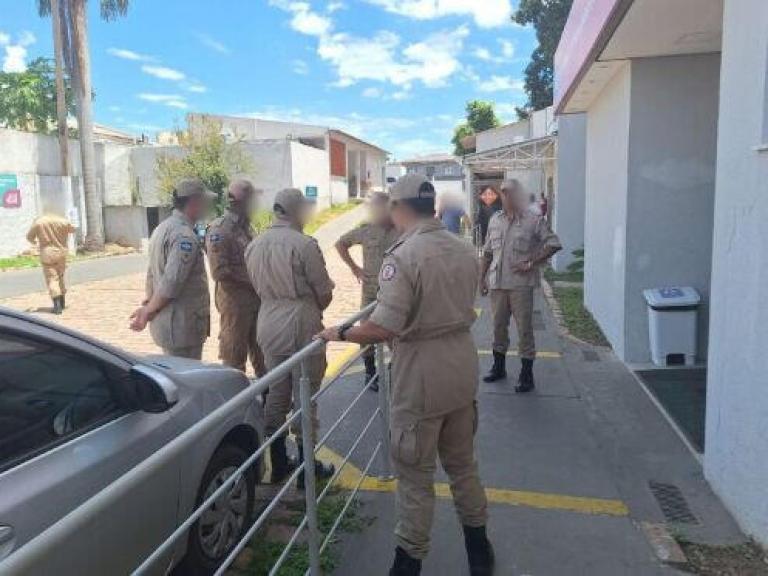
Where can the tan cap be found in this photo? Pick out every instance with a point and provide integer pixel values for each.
(192, 187)
(290, 200)
(511, 184)
(412, 187)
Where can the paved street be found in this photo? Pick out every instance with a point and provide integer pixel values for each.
(567, 468)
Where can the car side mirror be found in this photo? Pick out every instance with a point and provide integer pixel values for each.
(155, 391)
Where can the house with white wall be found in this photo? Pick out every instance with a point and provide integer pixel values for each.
(675, 101)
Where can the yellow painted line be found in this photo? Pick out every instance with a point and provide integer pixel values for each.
(514, 353)
(350, 475)
(339, 359)
(478, 312)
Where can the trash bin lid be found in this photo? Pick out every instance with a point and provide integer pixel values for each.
(672, 297)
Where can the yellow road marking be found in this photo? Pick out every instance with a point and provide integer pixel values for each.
(544, 354)
(350, 475)
(478, 312)
(339, 359)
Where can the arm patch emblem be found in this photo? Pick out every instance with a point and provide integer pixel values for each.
(388, 272)
(185, 246)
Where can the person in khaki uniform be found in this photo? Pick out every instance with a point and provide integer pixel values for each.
(226, 240)
(177, 304)
(376, 236)
(51, 233)
(288, 272)
(517, 244)
(428, 284)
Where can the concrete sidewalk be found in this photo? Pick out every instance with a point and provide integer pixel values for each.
(568, 471)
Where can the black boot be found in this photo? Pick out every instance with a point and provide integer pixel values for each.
(322, 471)
(281, 465)
(525, 382)
(63, 302)
(58, 308)
(404, 565)
(499, 368)
(479, 551)
(370, 372)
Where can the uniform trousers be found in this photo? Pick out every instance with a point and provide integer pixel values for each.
(237, 333)
(194, 352)
(517, 303)
(54, 262)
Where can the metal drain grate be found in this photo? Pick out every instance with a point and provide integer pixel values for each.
(538, 321)
(672, 503)
(590, 356)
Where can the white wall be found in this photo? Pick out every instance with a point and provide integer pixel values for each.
(126, 226)
(339, 190)
(736, 457)
(568, 205)
(309, 167)
(606, 206)
(503, 136)
(673, 148)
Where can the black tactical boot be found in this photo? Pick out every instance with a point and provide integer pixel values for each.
(499, 368)
(63, 302)
(525, 382)
(58, 308)
(370, 372)
(479, 551)
(281, 465)
(404, 565)
(322, 471)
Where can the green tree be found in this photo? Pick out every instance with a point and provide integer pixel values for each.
(205, 154)
(480, 116)
(548, 17)
(73, 33)
(28, 99)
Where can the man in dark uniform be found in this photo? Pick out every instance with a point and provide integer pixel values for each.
(376, 236)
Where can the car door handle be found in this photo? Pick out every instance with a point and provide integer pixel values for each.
(7, 540)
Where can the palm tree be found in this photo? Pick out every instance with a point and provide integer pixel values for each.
(72, 34)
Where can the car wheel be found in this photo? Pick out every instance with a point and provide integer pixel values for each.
(222, 525)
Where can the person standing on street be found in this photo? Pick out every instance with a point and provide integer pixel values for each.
(288, 272)
(226, 240)
(177, 305)
(51, 233)
(518, 243)
(428, 284)
(375, 237)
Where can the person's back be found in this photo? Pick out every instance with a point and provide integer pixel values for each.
(52, 231)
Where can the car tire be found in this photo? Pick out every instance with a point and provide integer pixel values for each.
(204, 551)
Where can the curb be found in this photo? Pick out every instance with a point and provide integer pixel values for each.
(546, 288)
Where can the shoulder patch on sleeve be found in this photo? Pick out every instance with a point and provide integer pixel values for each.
(214, 237)
(185, 246)
(388, 271)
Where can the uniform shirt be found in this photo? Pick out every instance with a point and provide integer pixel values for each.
(177, 272)
(512, 241)
(428, 284)
(375, 241)
(287, 270)
(50, 231)
(226, 240)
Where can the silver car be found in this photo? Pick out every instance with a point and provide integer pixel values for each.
(76, 414)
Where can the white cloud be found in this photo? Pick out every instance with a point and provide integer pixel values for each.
(163, 72)
(381, 56)
(15, 58)
(335, 7)
(486, 13)
(114, 109)
(197, 88)
(300, 67)
(500, 84)
(507, 49)
(129, 55)
(171, 100)
(482, 54)
(507, 53)
(372, 92)
(213, 43)
(507, 111)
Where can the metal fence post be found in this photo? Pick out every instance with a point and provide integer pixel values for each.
(383, 380)
(308, 444)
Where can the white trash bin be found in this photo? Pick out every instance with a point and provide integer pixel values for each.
(672, 324)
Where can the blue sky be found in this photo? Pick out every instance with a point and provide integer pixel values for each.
(394, 72)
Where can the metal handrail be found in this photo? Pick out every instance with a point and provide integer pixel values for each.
(24, 560)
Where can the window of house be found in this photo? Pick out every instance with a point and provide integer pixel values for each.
(48, 395)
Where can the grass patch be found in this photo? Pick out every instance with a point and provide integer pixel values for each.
(325, 216)
(266, 553)
(745, 559)
(16, 262)
(577, 319)
(567, 276)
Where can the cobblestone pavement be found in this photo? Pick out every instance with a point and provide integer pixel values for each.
(101, 308)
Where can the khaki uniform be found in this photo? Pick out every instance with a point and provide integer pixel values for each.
(510, 242)
(375, 241)
(427, 291)
(236, 300)
(177, 272)
(287, 269)
(51, 233)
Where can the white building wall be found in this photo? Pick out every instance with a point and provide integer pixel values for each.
(127, 226)
(503, 136)
(309, 167)
(118, 175)
(672, 156)
(736, 457)
(568, 205)
(606, 207)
